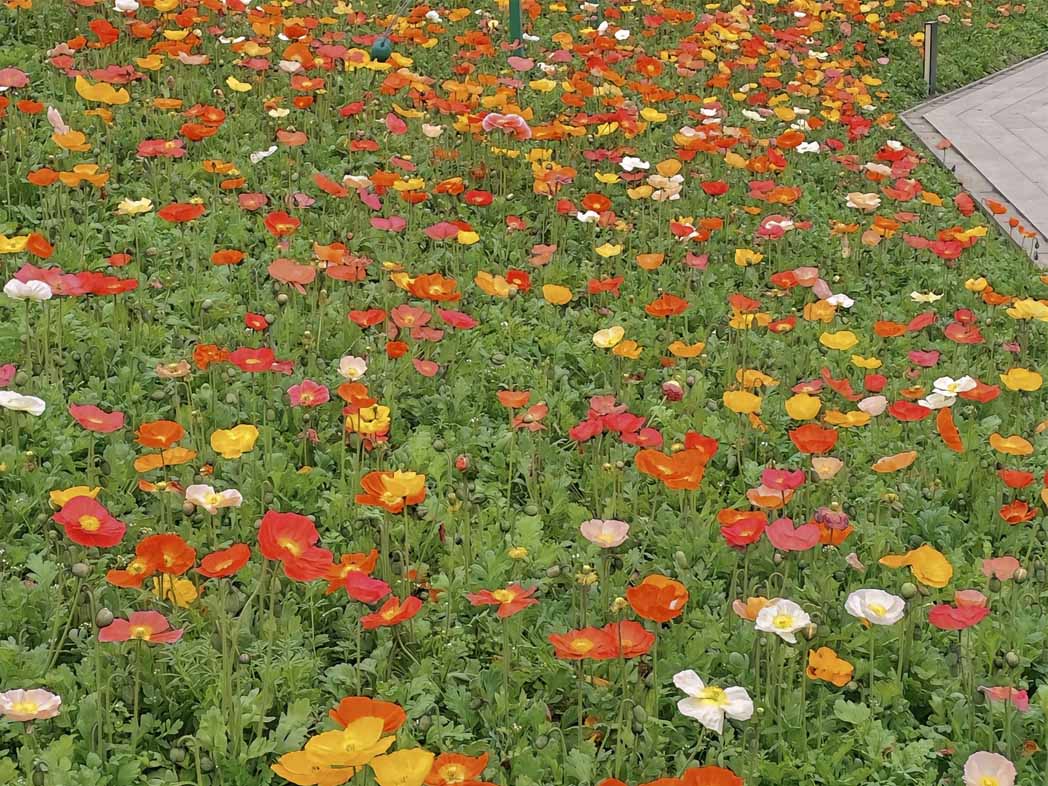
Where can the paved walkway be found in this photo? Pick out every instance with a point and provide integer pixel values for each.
(998, 129)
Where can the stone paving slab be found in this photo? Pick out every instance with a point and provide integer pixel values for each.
(998, 132)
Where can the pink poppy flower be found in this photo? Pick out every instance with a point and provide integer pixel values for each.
(308, 394)
(784, 537)
(25, 706)
(1020, 699)
(984, 768)
(606, 533)
(7, 373)
(1001, 568)
(94, 419)
(782, 479)
(151, 627)
(510, 123)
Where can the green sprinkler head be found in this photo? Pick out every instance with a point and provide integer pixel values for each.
(382, 48)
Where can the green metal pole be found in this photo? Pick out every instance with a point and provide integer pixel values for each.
(515, 32)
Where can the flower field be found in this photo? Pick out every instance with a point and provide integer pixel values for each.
(386, 401)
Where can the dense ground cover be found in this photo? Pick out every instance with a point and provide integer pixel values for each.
(640, 404)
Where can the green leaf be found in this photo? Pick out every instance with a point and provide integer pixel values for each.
(850, 712)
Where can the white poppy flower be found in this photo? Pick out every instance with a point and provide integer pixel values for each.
(629, 163)
(19, 403)
(352, 367)
(783, 618)
(262, 154)
(875, 606)
(27, 290)
(952, 387)
(210, 500)
(709, 705)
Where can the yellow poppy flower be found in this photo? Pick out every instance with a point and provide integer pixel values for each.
(867, 363)
(1013, 445)
(407, 767)
(682, 350)
(803, 406)
(928, 565)
(60, 497)
(609, 337)
(235, 442)
(742, 402)
(628, 349)
(556, 294)
(843, 339)
(1021, 379)
(744, 257)
(102, 92)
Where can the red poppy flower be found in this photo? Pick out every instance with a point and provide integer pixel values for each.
(1014, 478)
(393, 612)
(180, 212)
(220, 564)
(94, 419)
(908, 411)
(87, 523)
(290, 538)
(364, 588)
(1017, 512)
(159, 434)
(253, 360)
(280, 224)
(256, 322)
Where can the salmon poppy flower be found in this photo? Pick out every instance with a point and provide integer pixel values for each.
(631, 638)
(94, 419)
(353, 708)
(151, 627)
(393, 612)
(308, 394)
(947, 617)
(584, 644)
(658, 598)
(456, 769)
(87, 523)
(392, 490)
(510, 600)
(290, 538)
(514, 399)
(224, 563)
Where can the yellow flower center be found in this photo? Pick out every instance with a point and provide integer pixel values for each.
(25, 707)
(503, 596)
(139, 632)
(713, 695)
(989, 780)
(581, 645)
(90, 523)
(453, 773)
(289, 545)
(783, 621)
(877, 609)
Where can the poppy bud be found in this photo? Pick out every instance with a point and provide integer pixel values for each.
(672, 390)
(1020, 576)
(81, 570)
(909, 590)
(462, 462)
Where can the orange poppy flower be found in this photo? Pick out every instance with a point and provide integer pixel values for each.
(392, 490)
(812, 438)
(658, 598)
(452, 769)
(159, 434)
(681, 470)
(170, 553)
(353, 708)
(587, 643)
(514, 399)
(666, 305)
